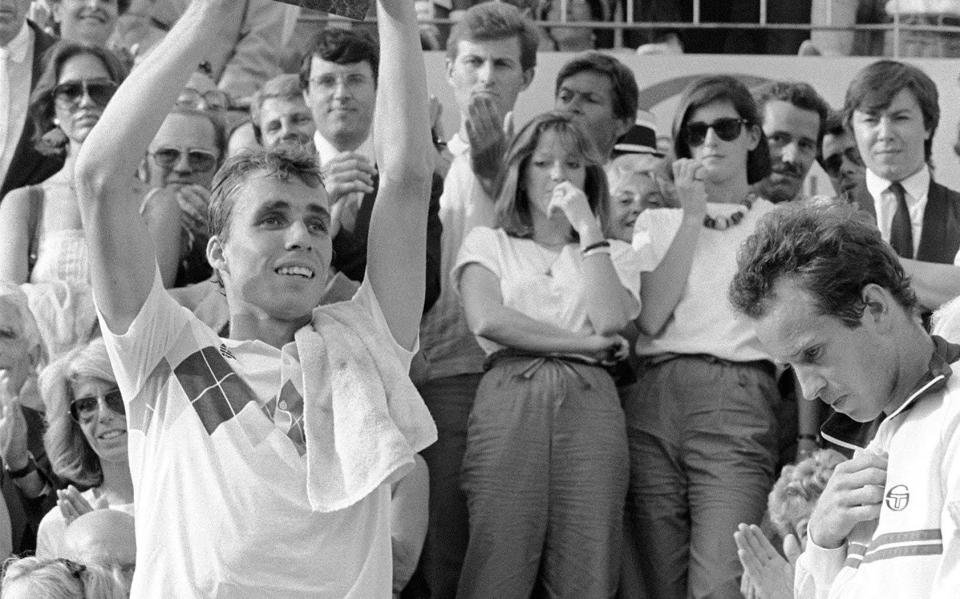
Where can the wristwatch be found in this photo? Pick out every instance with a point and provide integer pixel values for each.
(20, 473)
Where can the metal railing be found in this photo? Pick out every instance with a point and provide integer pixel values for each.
(898, 26)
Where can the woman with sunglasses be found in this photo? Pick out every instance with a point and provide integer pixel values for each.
(86, 441)
(40, 225)
(701, 421)
(546, 293)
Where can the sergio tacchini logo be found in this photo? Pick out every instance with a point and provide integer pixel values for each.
(898, 497)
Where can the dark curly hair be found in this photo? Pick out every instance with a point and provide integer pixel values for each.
(830, 250)
(41, 100)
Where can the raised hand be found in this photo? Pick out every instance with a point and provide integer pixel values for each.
(488, 131)
(769, 576)
(572, 202)
(13, 426)
(73, 505)
(688, 180)
(853, 494)
(346, 173)
(193, 201)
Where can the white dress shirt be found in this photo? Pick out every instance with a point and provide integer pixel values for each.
(14, 94)
(915, 189)
(326, 151)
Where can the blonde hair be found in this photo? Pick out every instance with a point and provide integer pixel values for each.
(796, 492)
(58, 579)
(70, 455)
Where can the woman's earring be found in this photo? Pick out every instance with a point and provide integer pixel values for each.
(56, 122)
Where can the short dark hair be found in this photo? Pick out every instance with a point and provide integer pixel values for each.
(626, 94)
(513, 206)
(284, 87)
(722, 88)
(835, 124)
(800, 94)
(831, 250)
(41, 100)
(341, 46)
(493, 20)
(875, 86)
(281, 163)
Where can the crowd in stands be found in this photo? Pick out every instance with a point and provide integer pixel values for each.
(267, 331)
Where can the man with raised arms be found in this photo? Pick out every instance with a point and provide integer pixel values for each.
(263, 463)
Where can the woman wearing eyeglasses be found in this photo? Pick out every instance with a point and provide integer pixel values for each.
(701, 422)
(86, 441)
(40, 225)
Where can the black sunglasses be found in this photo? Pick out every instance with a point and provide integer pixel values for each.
(834, 162)
(84, 409)
(69, 93)
(727, 129)
(199, 160)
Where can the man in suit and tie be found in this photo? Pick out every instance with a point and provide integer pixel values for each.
(892, 109)
(338, 77)
(22, 46)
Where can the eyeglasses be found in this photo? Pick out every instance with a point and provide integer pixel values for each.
(84, 409)
(70, 93)
(727, 129)
(214, 100)
(200, 161)
(834, 162)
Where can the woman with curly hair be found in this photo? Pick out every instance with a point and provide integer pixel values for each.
(546, 293)
(86, 441)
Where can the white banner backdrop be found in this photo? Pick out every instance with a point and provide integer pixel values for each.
(662, 79)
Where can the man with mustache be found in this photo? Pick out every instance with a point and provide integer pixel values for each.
(338, 77)
(793, 116)
(892, 109)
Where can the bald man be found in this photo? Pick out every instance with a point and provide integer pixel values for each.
(105, 538)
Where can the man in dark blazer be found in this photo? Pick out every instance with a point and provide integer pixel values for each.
(338, 78)
(892, 109)
(27, 166)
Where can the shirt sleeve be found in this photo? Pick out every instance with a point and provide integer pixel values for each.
(816, 570)
(479, 247)
(947, 579)
(627, 264)
(366, 298)
(653, 233)
(154, 330)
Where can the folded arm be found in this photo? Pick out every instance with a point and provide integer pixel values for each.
(487, 317)
(935, 284)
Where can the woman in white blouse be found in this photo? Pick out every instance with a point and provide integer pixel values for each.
(546, 294)
(701, 420)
